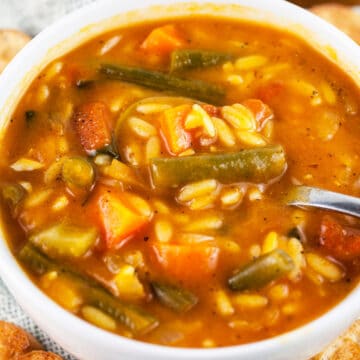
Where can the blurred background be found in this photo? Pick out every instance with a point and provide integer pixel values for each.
(33, 15)
(308, 3)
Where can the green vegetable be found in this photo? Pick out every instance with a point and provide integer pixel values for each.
(38, 262)
(65, 240)
(175, 298)
(13, 194)
(138, 321)
(262, 271)
(257, 165)
(192, 59)
(110, 149)
(78, 171)
(164, 82)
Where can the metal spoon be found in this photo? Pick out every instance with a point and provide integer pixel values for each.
(324, 199)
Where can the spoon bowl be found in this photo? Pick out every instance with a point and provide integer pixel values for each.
(319, 198)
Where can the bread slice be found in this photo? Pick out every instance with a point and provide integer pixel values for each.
(17, 344)
(341, 16)
(345, 347)
(14, 341)
(40, 355)
(11, 42)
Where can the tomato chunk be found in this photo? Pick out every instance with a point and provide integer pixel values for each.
(270, 91)
(91, 122)
(342, 242)
(262, 112)
(172, 126)
(118, 221)
(211, 110)
(186, 262)
(163, 40)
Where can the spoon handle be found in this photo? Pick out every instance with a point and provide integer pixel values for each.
(324, 199)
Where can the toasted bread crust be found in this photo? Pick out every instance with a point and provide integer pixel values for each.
(11, 42)
(342, 17)
(345, 347)
(14, 341)
(40, 355)
(17, 344)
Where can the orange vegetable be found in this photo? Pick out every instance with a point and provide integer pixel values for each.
(163, 40)
(261, 111)
(270, 91)
(172, 126)
(342, 242)
(91, 122)
(117, 219)
(211, 110)
(186, 262)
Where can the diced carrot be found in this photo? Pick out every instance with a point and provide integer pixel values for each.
(211, 110)
(186, 262)
(341, 242)
(163, 40)
(172, 126)
(270, 91)
(92, 121)
(117, 219)
(261, 111)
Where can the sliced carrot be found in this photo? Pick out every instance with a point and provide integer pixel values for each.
(261, 111)
(117, 220)
(163, 40)
(91, 122)
(341, 242)
(172, 126)
(186, 262)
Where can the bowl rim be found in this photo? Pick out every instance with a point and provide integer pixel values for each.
(20, 284)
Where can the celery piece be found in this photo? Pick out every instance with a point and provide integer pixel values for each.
(65, 240)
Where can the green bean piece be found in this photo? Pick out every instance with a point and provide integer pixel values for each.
(38, 262)
(177, 299)
(192, 59)
(13, 194)
(197, 89)
(135, 319)
(78, 171)
(65, 240)
(257, 165)
(262, 271)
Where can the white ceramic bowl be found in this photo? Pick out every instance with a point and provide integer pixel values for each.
(82, 339)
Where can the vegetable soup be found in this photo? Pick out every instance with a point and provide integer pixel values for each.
(143, 177)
